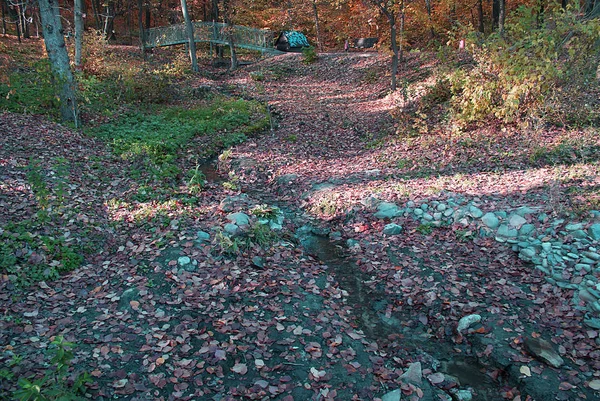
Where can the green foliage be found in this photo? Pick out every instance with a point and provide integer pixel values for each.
(196, 180)
(234, 182)
(265, 211)
(156, 139)
(56, 383)
(309, 55)
(262, 235)
(524, 71)
(30, 90)
(257, 76)
(566, 152)
(425, 229)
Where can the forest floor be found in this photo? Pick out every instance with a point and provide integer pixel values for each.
(166, 307)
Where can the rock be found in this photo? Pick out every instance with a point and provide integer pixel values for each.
(490, 220)
(258, 262)
(594, 323)
(506, 232)
(544, 351)
(419, 212)
(184, 261)
(131, 294)
(516, 221)
(591, 255)
(424, 207)
(239, 219)
(467, 321)
(463, 395)
(230, 203)
(203, 236)
(413, 374)
(231, 228)
(574, 227)
(594, 231)
(370, 201)
(392, 229)
(475, 212)
(352, 243)
(586, 296)
(392, 395)
(527, 229)
(387, 210)
(527, 253)
(441, 207)
(524, 210)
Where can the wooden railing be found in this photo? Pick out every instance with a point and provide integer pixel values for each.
(213, 32)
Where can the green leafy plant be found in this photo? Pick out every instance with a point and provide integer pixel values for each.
(56, 383)
(309, 55)
(425, 229)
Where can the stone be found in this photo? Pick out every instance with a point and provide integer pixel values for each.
(231, 228)
(425, 207)
(586, 296)
(542, 217)
(387, 210)
(392, 395)
(516, 221)
(370, 201)
(258, 262)
(437, 216)
(573, 226)
(419, 212)
(427, 216)
(527, 229)
(524, 210)
(239, 219)
(441, 207)
(475, 212)
(131, 294)
(591, 255)
(448, 212)
(413, 374)
(490, 220)
(527, 253)
(463, 395)
(230, 203)
(392, 229)
(505, 231)
(203, 236)
(352, 243)
(544, 351)
(467, 321)
(593, 322)
(184, 261)
(594, 231)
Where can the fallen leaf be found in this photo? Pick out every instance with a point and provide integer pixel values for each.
(525, 371)
(240, 368)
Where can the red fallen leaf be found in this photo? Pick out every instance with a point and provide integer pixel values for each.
(262, 383)
(436, 378)
(240, 368)
(220, 355)
(565, 386)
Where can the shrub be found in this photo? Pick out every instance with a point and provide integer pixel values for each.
(309, 55)
(522, 72)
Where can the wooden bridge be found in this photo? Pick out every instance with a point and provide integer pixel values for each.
(214, 33)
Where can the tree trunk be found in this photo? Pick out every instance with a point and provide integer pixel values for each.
(190, 35)
(290, 18)
(3, 18)
(501, 16)
(59, 59)
(142, 33)
(480, 16)
(317, 28)
(96, 11)
(430, 17)
(229, 28)
(78, 32)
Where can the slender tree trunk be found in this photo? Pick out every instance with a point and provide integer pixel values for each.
(480, 16)
(59, 59)
(317, 28)
(495, 14)
(501, 16)
(142, 32)
(78, 32)
(96, 11)
(290, 18)
(229, 27)
(3, 18)
(148, 16)
(190, 34)
(128, 21)
(430, 17)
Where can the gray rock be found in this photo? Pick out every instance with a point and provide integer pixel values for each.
(239, 219)
(527, 253)
(437, 216)
(506, 232)
(573, 226)
(424, 207)
(441, 207)
(352, 243)
(419, 212)
(524, 210)
(184, 261)
(258, 262)
(591, 255)
(203, 236)
(542, 217)
(544, 351)
(131, 294)
(516, 221)
(448, 212)
(527, 229)
(413, 374)
(467, 321)
(593, 322)
(370, 201)
(427, 216)
(230, 203)
(586, 296)
(392, 229)
(490, 220)
(231, 228)
(463, 395)
(594, 231)
(387, 210)
(392, 395)
(475, 212)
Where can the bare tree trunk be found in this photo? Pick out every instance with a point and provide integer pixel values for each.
(429, 16)
(317, 28)
(142, 33)
(229, 27)
(480, 16)
(3, 18)
(501, 16)
(59, 59)
(290, 18)
(78, 32)
(391, 17)
(190, 35)
(96, 11)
